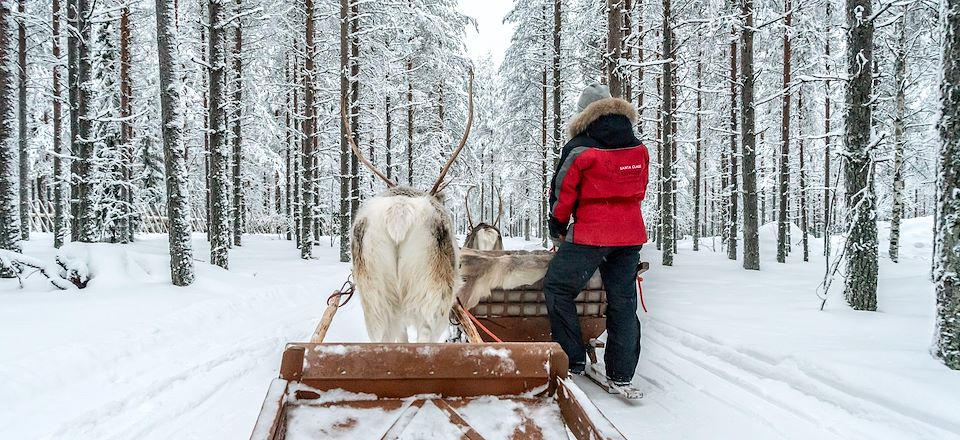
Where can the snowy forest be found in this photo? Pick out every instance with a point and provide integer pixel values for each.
(222, 120)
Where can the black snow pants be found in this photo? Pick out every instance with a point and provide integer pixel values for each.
(568, 274)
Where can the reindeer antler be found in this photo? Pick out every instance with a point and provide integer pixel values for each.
(356, 149)
(496, 223)
(466, 202)
(463, 141)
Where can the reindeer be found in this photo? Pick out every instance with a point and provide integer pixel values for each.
(405, 257)
(483, 236)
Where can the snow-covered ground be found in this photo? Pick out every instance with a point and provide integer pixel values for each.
(726, 353)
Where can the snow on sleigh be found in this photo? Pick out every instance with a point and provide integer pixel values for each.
(518, 389)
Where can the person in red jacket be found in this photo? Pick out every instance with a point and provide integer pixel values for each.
(596, 222)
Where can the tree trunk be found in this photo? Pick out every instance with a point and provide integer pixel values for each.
(804, 214)
(614, 36)
(388, 137)
(697, 176)
(545, 147)
(948, 217)
(861, 245)
(86, 217)
(557, 90)
(125, 225)
(899, 124)
(626, 33)
(827, 190)
(22, 120)
(354, 107)
(288, 156)
(784, 187)
(307, 181)
(10, 233)
(409, 121)
(73, 91)
(174, 149)
(60, 187)
(751, 238)
(667, 138)
(732, 220)
(219, 157)
(237, 124)
(344, 143)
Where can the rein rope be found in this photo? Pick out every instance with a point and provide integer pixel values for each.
(347, 289)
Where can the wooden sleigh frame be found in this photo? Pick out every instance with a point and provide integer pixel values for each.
(382, 388)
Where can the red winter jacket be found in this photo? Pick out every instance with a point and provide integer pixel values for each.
(601, 178)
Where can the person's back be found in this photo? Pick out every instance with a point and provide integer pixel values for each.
(599, 184)
(602, 175)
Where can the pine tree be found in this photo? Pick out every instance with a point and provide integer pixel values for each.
(751, 238)
(731, 184)
(948, 259)
(667, 138)
(10, 233)
(307, 209)
(174, 149)
(60, 193)
(861, 245)
(125, 226)
(237, 123)
(84, 166)
(22, 120)
(219, 155)
(784, 189)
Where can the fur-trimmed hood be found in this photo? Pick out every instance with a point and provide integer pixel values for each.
(603, 107)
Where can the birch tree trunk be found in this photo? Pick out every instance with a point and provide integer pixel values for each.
(219, 158)
(948, 265)
(899, 125)
(751, 238)
(174, 148)
(861, 245)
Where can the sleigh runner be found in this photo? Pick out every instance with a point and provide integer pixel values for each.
(517, 389)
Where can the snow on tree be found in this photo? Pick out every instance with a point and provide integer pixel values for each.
(861, 244)
(219, 155)
(10, 233)
(174, 149)
(947, 272)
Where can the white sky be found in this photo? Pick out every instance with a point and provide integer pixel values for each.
(493, 36)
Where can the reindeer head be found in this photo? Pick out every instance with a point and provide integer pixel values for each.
(484, 236)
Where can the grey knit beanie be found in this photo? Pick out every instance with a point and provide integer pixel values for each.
(594, 92)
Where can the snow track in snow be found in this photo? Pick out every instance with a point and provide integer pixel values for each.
(782, 395)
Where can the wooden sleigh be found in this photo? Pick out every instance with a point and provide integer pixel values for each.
(517, 389)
